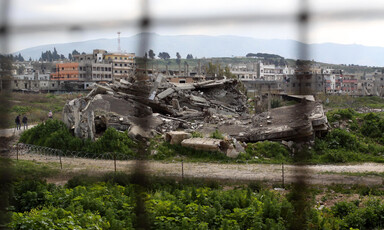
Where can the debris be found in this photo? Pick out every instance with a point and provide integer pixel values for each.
(176, 137)
(148, 108)
(206, 144)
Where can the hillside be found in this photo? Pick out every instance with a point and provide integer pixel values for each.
(224, 46)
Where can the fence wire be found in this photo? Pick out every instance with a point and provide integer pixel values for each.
(303, 19)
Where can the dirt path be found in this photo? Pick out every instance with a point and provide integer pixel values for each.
(316, 174)
(13, 132)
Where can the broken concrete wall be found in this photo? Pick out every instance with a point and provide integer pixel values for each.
(206, 144)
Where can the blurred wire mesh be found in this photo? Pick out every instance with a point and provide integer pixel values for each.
(146, 20)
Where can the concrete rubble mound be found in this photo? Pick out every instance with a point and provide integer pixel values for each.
(147, 108)
(299, 122)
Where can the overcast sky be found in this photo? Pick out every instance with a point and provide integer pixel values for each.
(41, 22)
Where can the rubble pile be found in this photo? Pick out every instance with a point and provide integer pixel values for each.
(149, 108)
(296, 122)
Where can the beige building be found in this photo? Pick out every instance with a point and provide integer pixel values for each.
(104, 66)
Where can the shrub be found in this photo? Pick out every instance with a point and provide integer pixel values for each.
(275, 103)
(21, 109)
(343, 208)
(55, 134)
(217, 135)
(196, 134)
(267, 149)
(372, 126)
(340, 114)
(339, 138)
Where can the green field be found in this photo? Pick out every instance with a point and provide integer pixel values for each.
(34, 106)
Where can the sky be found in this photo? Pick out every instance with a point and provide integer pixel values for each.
(40, 22)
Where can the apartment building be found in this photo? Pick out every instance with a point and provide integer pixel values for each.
(261, 71)
(104, 66)
(123, 64)
(66, 72)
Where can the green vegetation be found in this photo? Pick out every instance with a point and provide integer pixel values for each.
(196, 134)
(217, 135)
(109, 202)
(55, 134)
(23, 169)
(267, 149)
(346, 101)
(360, 140)
(166, 151)
(34, 106)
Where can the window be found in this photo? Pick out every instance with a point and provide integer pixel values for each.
(53, 85)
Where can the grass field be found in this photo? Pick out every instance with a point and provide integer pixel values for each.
(35, 106)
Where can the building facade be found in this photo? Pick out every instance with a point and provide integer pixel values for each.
(66, 72)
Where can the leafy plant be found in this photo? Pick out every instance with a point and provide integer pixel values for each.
(217, 135)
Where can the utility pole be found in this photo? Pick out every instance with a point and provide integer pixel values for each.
(118, 42)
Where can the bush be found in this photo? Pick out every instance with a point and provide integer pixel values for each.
(267, 149)
(340, 138)
(340, 114)
(55, 134)
(275, 103)
(372, 126)
(196, 134)
(217, 135)
(343, 208)
(21, 109)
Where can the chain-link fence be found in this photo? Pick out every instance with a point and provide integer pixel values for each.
(113, 161)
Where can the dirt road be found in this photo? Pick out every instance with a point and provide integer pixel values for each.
(316, 174)
(13, 132)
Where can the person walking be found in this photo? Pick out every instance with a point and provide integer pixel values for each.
(25, 122)
(17, 121)
(50, 114)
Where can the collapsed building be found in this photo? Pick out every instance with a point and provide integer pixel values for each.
(149, 108)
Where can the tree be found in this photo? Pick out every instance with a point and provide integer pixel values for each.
(75, 52)
(189, 56)
(151, 54)
(164, 55)
(70, 57)
(19, 57)
(178, 58)
(228, 73)
(55, 55)
(145, 55)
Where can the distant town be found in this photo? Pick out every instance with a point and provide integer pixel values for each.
(259, 72)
